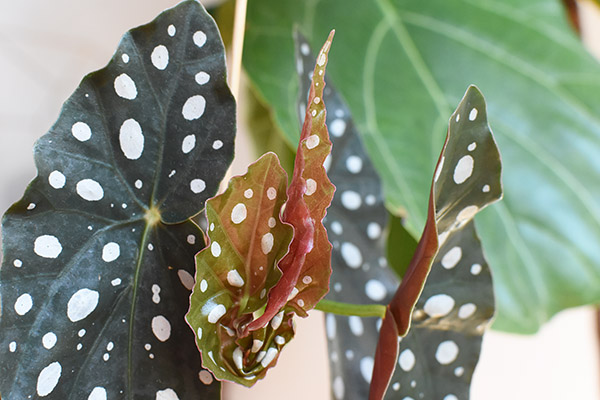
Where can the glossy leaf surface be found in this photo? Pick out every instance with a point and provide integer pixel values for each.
(99, 253)
(467, 179)
(405, 64)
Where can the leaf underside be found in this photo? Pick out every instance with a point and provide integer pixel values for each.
(99, 253)
(406, 63)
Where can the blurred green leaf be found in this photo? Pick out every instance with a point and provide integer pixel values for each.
(401, 246)
(401, 64)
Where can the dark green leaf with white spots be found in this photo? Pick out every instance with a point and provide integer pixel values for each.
(467, 179)
(355, 222)
(98, 255)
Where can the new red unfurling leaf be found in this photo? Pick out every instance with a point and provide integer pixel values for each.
(467, 179)
(260, 269)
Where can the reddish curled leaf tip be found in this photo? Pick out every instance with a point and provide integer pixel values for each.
(307, 266)
(467, 179)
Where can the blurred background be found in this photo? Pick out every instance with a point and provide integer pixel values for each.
(45, 50)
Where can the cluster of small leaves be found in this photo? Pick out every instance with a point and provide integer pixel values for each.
(99, 253)
(266, 262)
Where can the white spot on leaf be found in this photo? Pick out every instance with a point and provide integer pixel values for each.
(356, 325)
(194, 107)
(271, 193)
(81, 131)
(57, 180)
(82, 304)
(187, 280)
(199, 38)
(202, 78)
(239, 213)
(23, 304)
(366, 368)
(161, 327)
(235, 279)
(197, 186)
(131, 139)
(49, 340)
(90, 190)
(47, 246)
(167, 394)
(160, 57)
(266, 243)
(473, 114)
(111, 252)
(452, 257)
(466, 310)
(312, 141)
(439, 305)
(216, 313)
(338, 127)
(351, 200)
(464, 169)
(48, 379)
(188, 144)
(446, 352)
(98, 393)
(375, 290)
(311, 186)
(125, 87)
(407, 360)
(351, 255)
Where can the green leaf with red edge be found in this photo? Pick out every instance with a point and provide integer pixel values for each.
(466, 180)
(307, 267)
(238, 268)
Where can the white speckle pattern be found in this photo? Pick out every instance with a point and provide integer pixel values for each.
(212, 226)
(307, 280)
(272, 222)
(18, 263)
(338, 388)
(57, 180)
(161, 327)
(167, 394)
(199, 38)
(464, 169)
(125, 58)
(81, 131)
(31, 206)
(277, 320)
(187, 280)
(396, 386)
(450, 397)
(202, 78)
(338, 127)
(216, 313)
(197, 185)
(373, 230)
(188, 143)
(160, 57)
(473, 114)
(49, 340)
(351, 255)
(215, 249)
(110, 346)
(366, 368)
(466, 310)
(205, 377)
(98, 393)
(203, 285)
(131, 139)
(330, 326)
(375, 290)
(12, 347)
(47, 246)
(138, 184)
(476, 269)
(266, 243)
(256, 345)
(351, 200)
(279, 340)
(82, 304)
(239, 213)
(125, 87)
(452, 257)
(439, 305)
(48, 379)
(305, 49)
(199, 335)
(217, 144)
(407, 360)
(194, 107)
(23, 304)
(235, 279)
(485, 188)
(191, 239)
(459, 371)
(446, 352)
(311, 186)
(90, 190)
(248, 193)
(106, 356)
(155, 294)
(171, 30)
(472, 146)
(467, 213)
(356, 325)
(271, 193)
(312, 141)
(238, 358)
(354, 164)
(81, 333)
(111, 251)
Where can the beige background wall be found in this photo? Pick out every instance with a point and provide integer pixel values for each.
(46, 47)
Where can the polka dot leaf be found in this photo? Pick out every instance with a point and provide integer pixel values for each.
(98, 258)
(261, 269)
(356, 223)
(469, 161)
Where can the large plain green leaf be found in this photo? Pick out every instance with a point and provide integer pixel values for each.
(401, 65)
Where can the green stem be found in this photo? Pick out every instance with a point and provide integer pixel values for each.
(359, 310)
